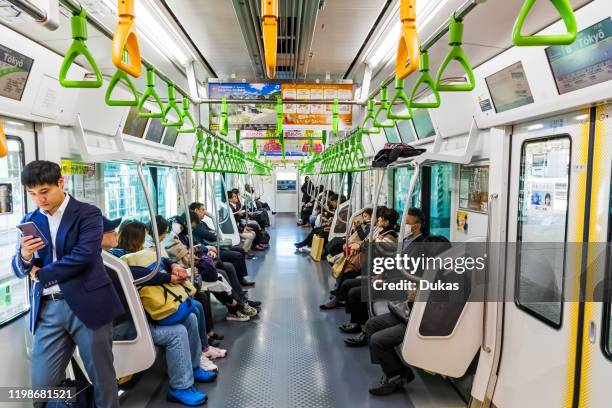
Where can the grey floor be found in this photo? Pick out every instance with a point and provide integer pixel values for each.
(293, 354)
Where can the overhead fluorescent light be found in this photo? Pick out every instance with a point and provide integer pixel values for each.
(581, 118)
(386, 43)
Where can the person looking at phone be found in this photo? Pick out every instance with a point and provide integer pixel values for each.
(73, 301)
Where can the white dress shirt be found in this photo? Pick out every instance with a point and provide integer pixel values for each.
(54, 223)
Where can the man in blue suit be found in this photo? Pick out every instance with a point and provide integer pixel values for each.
(73, 301)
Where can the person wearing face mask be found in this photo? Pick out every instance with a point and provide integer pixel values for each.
(414, 230)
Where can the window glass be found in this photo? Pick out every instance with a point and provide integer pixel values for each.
(155, 130)
(134, 125)
(170, 136)
(80, 180)
(13, 291)
(401, 184)
(405, 131)
(167, 193)
(392, 135)
(474, 188)
(542, 219)
(439, 207)
(123, 193)
(422, 123)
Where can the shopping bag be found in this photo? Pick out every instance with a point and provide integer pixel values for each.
(317, 248)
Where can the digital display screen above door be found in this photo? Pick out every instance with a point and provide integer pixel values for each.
(586, 62)
(509, 88)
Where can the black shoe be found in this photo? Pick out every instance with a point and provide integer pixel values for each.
(254, 303)
(332, 304)
(333, 292)
(357, 341)
(388, 385)
(213, 342)
(273, 212)
(350, 328)
(216, 336)
(245, 282)
(299, 245)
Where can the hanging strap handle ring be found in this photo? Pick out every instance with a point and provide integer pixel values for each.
(78, 47)
(171, 106)
(223, 118)
(279, 116)
(335, 117)
(400, 95)
(269, 27)
(186, 114)
(125, 38)
(408, 46)
(564, 8)
(150, 93)
(426, 79)
(118, 77)
(370, 116)
(384, 107)
(456, 53)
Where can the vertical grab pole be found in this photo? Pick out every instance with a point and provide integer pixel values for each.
(216, 210)
(188, 221)
(371, 239)
(143, 181)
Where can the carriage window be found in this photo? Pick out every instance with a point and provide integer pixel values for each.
(123, 193)
(405, 131)
(392, 135)
(439, 207)
(401, 184)
(542, 220)
(13, 291)
(474, 188)
(167, 192)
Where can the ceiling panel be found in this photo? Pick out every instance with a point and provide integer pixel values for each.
(342, 27)
(214, 28)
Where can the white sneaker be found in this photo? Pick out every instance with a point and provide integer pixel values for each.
(249, 310)
(206, 364)
(305, 250)
(214, 353)
(238, 317)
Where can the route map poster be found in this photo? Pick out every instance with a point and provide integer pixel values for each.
(585, 62)
(14, 72)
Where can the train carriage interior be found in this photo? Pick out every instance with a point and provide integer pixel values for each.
(306, 203)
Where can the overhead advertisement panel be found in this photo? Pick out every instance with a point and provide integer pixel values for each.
(262, 116)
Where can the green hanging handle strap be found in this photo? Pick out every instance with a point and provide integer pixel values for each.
(237, 136)
(118, 77)
(150, 93)
(78, 47)
(324, 137)
(223, 119)
(370, 116)
(456, 53)
(564, 8)
(426, 79)
(199, 150)
(186, 114)
(399, 95)
(335, 116)
(384, 107)
(171, 106)
(279, 115)
(209, 155)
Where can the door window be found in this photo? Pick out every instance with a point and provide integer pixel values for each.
(13, 291)
(607, 324)
(440, 199)
(542, 221)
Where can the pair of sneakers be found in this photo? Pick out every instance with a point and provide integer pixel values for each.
(212, 353)
(191, 396)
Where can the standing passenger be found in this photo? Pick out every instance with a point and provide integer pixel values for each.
(73, 300)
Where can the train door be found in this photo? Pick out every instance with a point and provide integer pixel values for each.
(596, 357)
(550, 180)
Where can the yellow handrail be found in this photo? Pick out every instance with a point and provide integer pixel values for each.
(125, 38)
(408, 45)
(269, 28)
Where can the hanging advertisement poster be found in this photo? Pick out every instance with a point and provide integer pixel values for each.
(14, 72)
(317, 116)
(258, 116)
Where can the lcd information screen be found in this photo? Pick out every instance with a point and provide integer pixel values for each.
(155, 130)
(585, 62)
(509, 88)
(14, 72)
(170, 136)
(422, 123)
(135, 126)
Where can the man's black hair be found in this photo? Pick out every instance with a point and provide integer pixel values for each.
(391, 215)
(419, 214)
(195, 205)
(39, 172)
(162, 226)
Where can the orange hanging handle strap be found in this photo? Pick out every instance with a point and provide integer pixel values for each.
(269, 27)
(3, 141)
(408, 45)
(125, 38)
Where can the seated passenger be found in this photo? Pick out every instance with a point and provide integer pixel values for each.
(307, 208)
(251, 235)
(326, 220)
(387, 331)
(181, 341)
